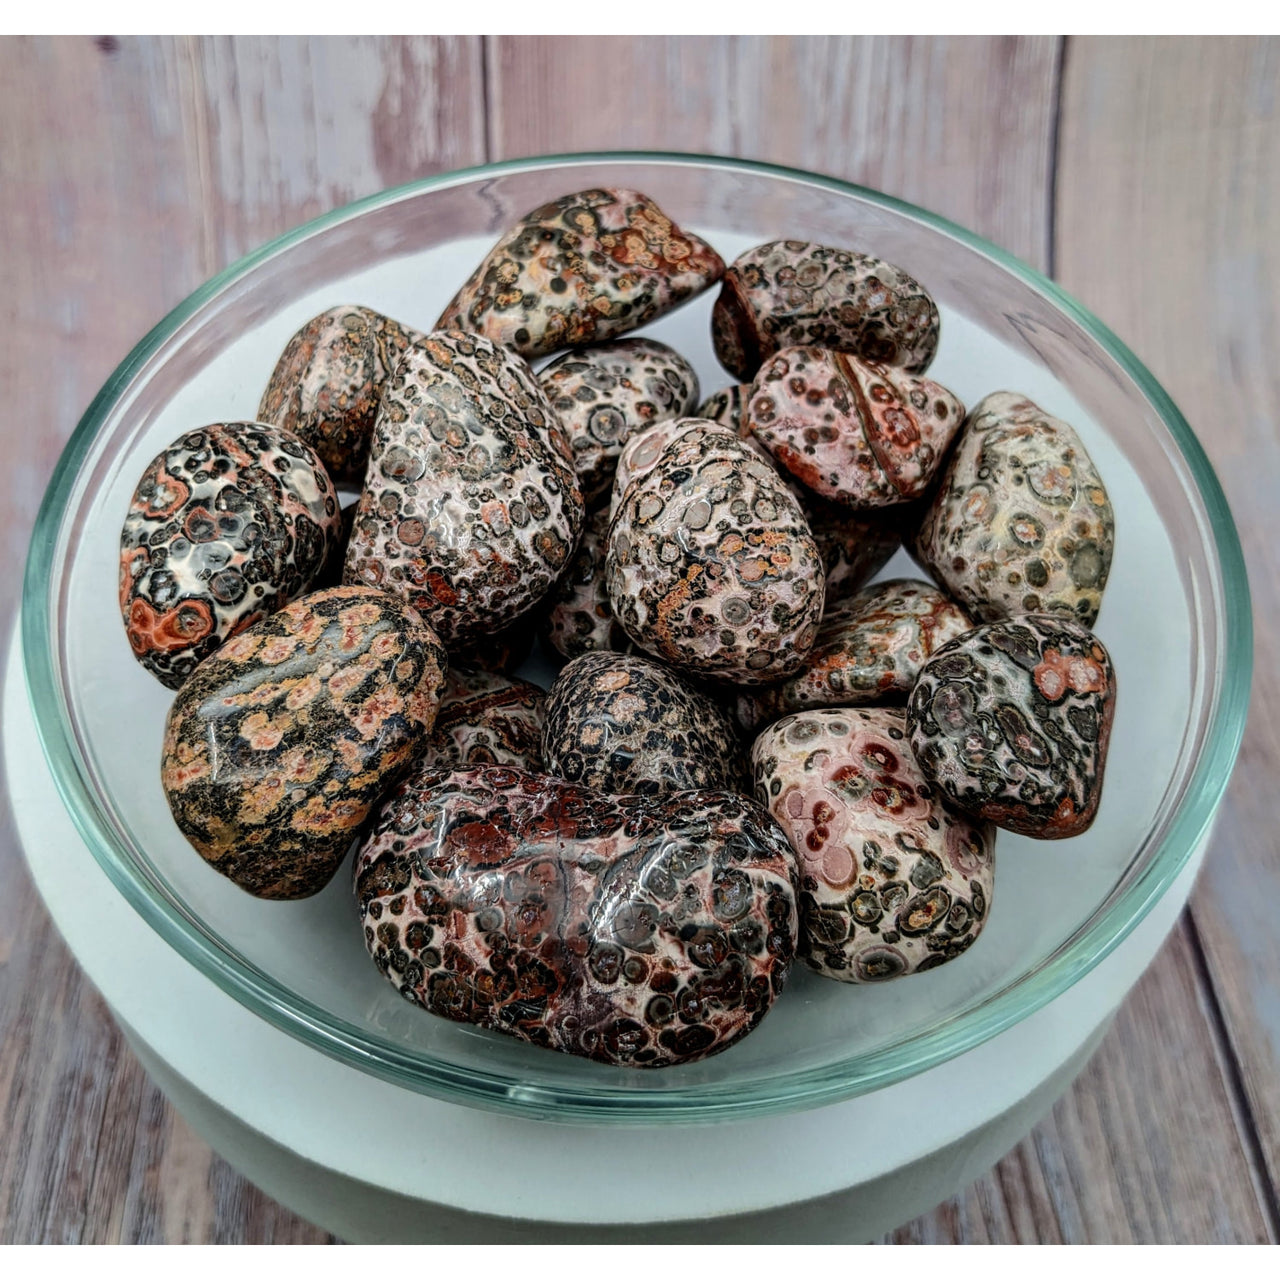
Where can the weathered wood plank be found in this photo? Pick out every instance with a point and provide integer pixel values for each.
(960, 125)
(1183, 136)
(1140, 1151)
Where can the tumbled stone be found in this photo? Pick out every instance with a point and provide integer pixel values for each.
(639, 931)
(585, 268)
(892, 882)
(486, 718)
(1011, 722)
(863, 435)
(1021, 521)
(626, 725)
(580, 618)
(227, 524)
(279, 745)
(710, 564)
(328, 381)
(796, 293)
(604, 395)
(869, 649)
(470, 508)
(853, 547)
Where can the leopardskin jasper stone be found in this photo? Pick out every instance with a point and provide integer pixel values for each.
(487, 719)
(869, 649)
(892, 882)
(854, 548)
(1012, 721)
(228, 523)
(606, 394)
(639, 931)
(585, 268)
(328, 381)
(864, 435)
(1021, 521)
(796, 293)
(625, 725)
(279, 745)
(470, 508)
(580, 618)
(710, 564)
(641, 453)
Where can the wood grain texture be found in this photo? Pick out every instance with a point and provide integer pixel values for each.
(1190, 275)
(132, 169)
(961, 125)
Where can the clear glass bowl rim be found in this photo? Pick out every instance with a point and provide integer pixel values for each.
(832, 1082)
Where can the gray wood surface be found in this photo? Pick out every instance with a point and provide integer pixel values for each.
(1144, 173)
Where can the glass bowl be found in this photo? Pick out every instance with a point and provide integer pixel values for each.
(1175, 618)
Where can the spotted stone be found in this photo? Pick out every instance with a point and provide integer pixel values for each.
(580, 618)
(582, 269)
(863, 435)
(1021, 521)
(328, 381)
(470, 509)
(892, 882)
(487, 719)
(227, 524)
(279, 745)
(626, 725)
(710, 564)
(604, 395)
(796, 293)
(853, 547)
(1012, 721)
(639, 931)
(869, 650)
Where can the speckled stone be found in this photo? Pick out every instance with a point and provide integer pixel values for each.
(638, 931)
(580, 618)
(487, 719)
(327, 384)
(853, 547)
(641, 453)
(1021, 521)
(710, 564)
(796, 293)
(582, 269)
(1012, 721)
(470, 508)
(892, 882)
(863, 435)
(604, 395)
(626, 725)
(230, 522)
(278, 746)
(869, 650)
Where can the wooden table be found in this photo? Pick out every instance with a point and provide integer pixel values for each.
(1143, 174)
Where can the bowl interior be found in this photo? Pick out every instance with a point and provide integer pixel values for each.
(1057, 905)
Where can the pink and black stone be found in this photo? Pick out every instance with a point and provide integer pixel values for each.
(279, 745)
(869, 650)
(892, 882)
(230, 522)
(606, 394)
(579, 618)
(328, 381)
(639, 931)
(1012, 720)
(486, 718)
(863, 435)
(1020, 521)
(582, 269)
(710, 563)
(470, 507)
(626, 725)
(796, 293)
